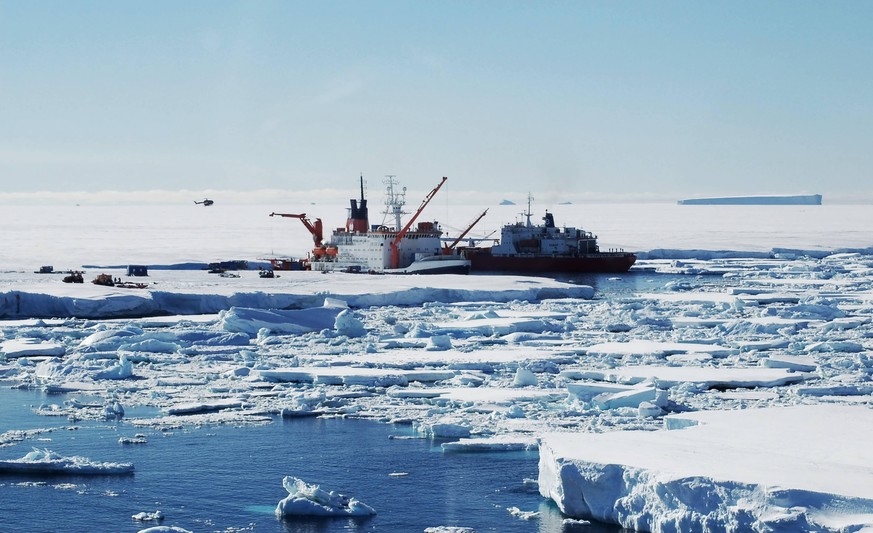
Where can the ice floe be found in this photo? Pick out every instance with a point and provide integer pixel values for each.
(305, 499)
(742, 470)
(44, 461)
(491, 364)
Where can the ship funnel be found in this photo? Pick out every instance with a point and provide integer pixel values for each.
(359, 220)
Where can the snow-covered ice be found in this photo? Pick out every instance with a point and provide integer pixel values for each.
(744, 345)
(800, 468)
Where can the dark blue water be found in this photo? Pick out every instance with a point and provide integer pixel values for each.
(228, 478)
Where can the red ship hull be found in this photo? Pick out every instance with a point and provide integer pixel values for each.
(483, 261)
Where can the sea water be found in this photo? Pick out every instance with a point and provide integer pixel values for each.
(223, 478)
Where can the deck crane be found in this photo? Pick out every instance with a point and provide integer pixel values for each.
(316, 229)
(395, 249)
(449, 248)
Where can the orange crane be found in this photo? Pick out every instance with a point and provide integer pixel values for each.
(448, 248)
(315, 229)
(395, 249)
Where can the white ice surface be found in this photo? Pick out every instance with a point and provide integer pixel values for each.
(721, 297)
(796, 464)
(43, 461)
(305, 499)
(709, 377)
(195, 292)
(25, 347)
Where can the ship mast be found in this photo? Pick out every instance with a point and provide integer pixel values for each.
(395, 244)
(527, 213)
(394, 201)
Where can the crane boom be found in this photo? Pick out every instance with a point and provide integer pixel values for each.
(448, 249)
(395, 249)
(315, 229)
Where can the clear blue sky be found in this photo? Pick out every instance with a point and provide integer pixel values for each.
(671, 98)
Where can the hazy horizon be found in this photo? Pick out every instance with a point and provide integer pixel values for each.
(374, 194)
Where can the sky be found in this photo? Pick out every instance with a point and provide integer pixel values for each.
(591, 101)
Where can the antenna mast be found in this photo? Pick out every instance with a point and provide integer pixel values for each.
(527, 213)
(394, 201)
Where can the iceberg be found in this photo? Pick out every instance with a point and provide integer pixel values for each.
(306, 499)
(799, 199)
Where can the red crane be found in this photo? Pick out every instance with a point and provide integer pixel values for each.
(315, 229)
(395, 249)
(447, 249)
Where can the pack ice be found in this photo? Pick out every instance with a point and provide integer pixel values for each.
(716, 393)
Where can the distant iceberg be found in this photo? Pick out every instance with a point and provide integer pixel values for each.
(800, 199)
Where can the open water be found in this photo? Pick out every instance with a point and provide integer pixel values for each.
(230, 478)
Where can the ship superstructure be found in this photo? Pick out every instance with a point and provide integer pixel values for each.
(545, 248)
(383, 248)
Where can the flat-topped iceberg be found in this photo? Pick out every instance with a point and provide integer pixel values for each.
(771, 199)
(305, 499)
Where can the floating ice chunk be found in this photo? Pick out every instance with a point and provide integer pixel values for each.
(506, 396)
(203, 407)
(670, 376)
(113, 411)
(29, 347)
(818, 308)
(523, 515)
(239, 372)
(634, 397)
(347, 324)
(689, 358)
(306, 499)
(439, 343)
(49, 369)
(524, 378)
(495, 326)
(446, 428)
(152, 345)
(515, 411)
(614, 396)
(449, 529)
(834, 390)
(656, 348)
(44, 461)
(149, 517)
(353, 375)
(164, 529)
(587, 391)
(284, 321)
(835, 346)
(649, 410)
(109, 339)
(795, 363)
(844, 324)
(501, 443)
(122, 370)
